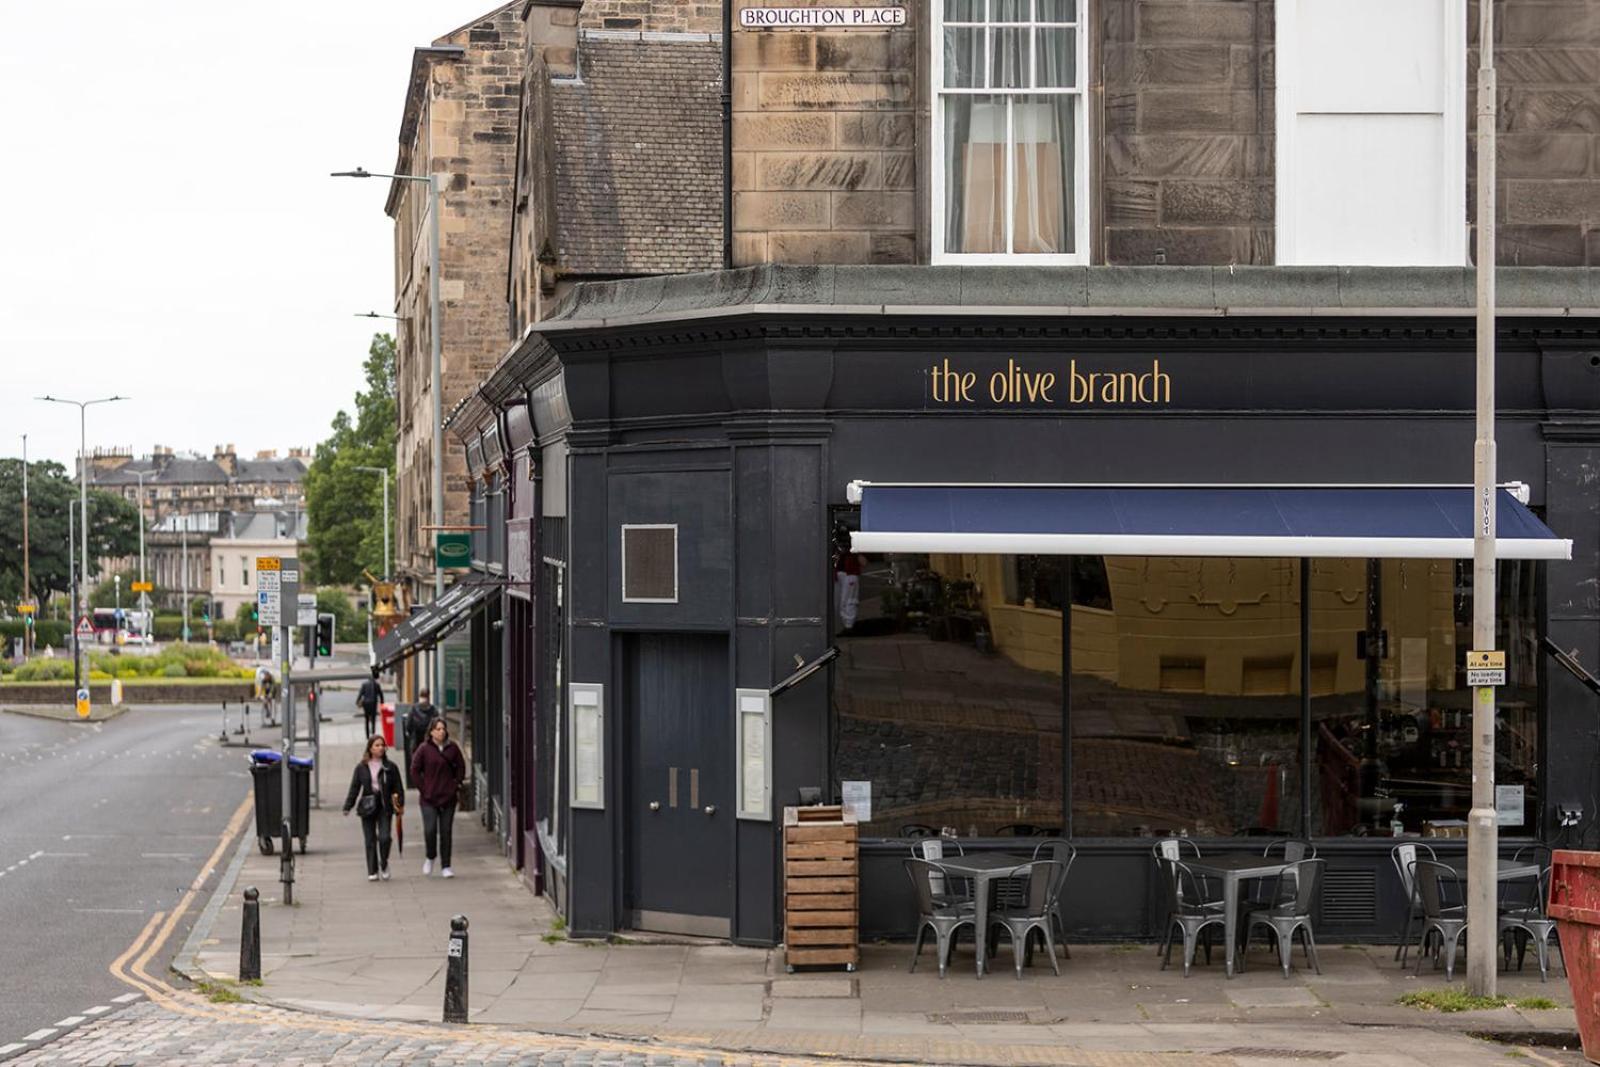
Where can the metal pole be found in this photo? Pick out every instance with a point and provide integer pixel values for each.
(1483, 832)
(72, 595)
(183, 550)
(434, 310)
(144, 598)
(27, 582)
(83, 522)
(386, 572)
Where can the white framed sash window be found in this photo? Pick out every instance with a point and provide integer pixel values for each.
(1009, 132)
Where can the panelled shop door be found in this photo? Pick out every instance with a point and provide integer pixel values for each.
(680, 805)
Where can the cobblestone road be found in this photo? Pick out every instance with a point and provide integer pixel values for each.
(185, 1029)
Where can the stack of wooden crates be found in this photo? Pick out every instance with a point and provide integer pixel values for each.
(821, 883)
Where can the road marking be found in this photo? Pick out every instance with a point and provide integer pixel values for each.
(71, 1020)
(39, 1035)
(126, 998)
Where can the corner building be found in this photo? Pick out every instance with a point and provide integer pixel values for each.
(1096, 379)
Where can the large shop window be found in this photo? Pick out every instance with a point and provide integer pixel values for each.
(1186, 701)
(1009, 133)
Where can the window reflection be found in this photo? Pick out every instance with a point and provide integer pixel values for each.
(948, 691)
(1185, 696)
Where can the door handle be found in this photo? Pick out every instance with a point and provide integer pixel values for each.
(655, 805)
(711, 809)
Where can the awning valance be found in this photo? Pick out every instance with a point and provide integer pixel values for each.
(1361, 522)
(434, 621)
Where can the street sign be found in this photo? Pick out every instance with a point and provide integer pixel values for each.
(306, 610)
(276, 658)
(269, 585)
(143, 587)
(85, 627)
(1486, 668)
(83, 703)
(452, 549)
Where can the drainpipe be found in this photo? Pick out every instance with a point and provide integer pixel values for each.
(727, 134)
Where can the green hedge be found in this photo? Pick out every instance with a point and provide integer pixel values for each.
(46, 632)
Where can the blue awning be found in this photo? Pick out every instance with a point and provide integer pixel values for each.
(1361, 522)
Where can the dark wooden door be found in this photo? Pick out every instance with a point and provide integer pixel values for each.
(680, 806)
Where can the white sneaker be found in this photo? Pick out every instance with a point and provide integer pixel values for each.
(384, 874)
(372, 878)
(448, 873)
(427, 868)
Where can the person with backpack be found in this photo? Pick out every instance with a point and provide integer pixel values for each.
(377, 795)
(369, 698)
(418, 719)
(438, 769)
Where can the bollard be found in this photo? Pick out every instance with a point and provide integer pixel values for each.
(286, 864)
(455, 972)
(250, 937)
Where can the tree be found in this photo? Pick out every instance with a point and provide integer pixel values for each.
(348, 623)
(344, 504)
(113, 528)
(105, 594)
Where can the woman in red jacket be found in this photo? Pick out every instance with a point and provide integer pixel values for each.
(437, 771)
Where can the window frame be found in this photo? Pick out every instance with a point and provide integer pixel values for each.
(1080, 148)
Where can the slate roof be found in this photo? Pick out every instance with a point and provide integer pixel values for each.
(271, 470)
(638, 157)
(191, 470)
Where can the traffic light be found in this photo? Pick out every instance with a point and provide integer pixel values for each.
(325, 633)
(255, 614)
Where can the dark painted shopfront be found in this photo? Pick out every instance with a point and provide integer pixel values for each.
(682, 535)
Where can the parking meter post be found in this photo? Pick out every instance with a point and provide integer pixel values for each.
(250, 937)
(455, 977)
(223, 737)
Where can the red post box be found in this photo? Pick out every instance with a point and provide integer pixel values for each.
(386, 723)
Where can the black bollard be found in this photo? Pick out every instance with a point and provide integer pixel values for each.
(455, 972)
(250, 937)
(286, 864)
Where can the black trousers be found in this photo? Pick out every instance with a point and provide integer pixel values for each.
(372, 719)
(375, 833)
(436, 831)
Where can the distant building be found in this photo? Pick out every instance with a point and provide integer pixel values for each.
(190, 483)
(221, 547)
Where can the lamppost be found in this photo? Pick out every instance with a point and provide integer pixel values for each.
(435, 308)
(385, 472)
(144, 598)
(116, 580)
(82, 599)
(32, 616)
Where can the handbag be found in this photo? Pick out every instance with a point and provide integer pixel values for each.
(367, 803)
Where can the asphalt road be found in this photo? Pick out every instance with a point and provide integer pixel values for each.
(101, 826)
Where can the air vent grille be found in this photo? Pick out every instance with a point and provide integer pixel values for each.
(650, 564)
(1350, 897)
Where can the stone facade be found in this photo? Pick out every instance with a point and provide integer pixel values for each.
(1186, 132)
(653, 16)
(1547, 59)
(460, 124)
(824, 142)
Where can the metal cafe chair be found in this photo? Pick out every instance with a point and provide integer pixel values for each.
(1063, 852)
(948, 890)
(1527, 922)
(1189, 912)
(1293, 896)
(918, 829)
(944, 921)
(1292, 850)
(1403, 856)
(1044, 879)
(1170, 849)
(1433, 881)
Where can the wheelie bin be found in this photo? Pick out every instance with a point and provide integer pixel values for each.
(266, 773)
(1575, 905)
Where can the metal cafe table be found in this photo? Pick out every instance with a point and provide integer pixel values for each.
(1233, 868)
(983, 868)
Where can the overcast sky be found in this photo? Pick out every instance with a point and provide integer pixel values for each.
(171, 233)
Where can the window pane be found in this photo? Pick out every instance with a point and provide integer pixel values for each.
(1058, 11)
(1010, 10)
(1043, 128)
(1008, 59)
(1056, 58)
(963, 10)
(963, 58)
(1391, 712)
(948, 690)
(974, 139)
(1186, 697)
